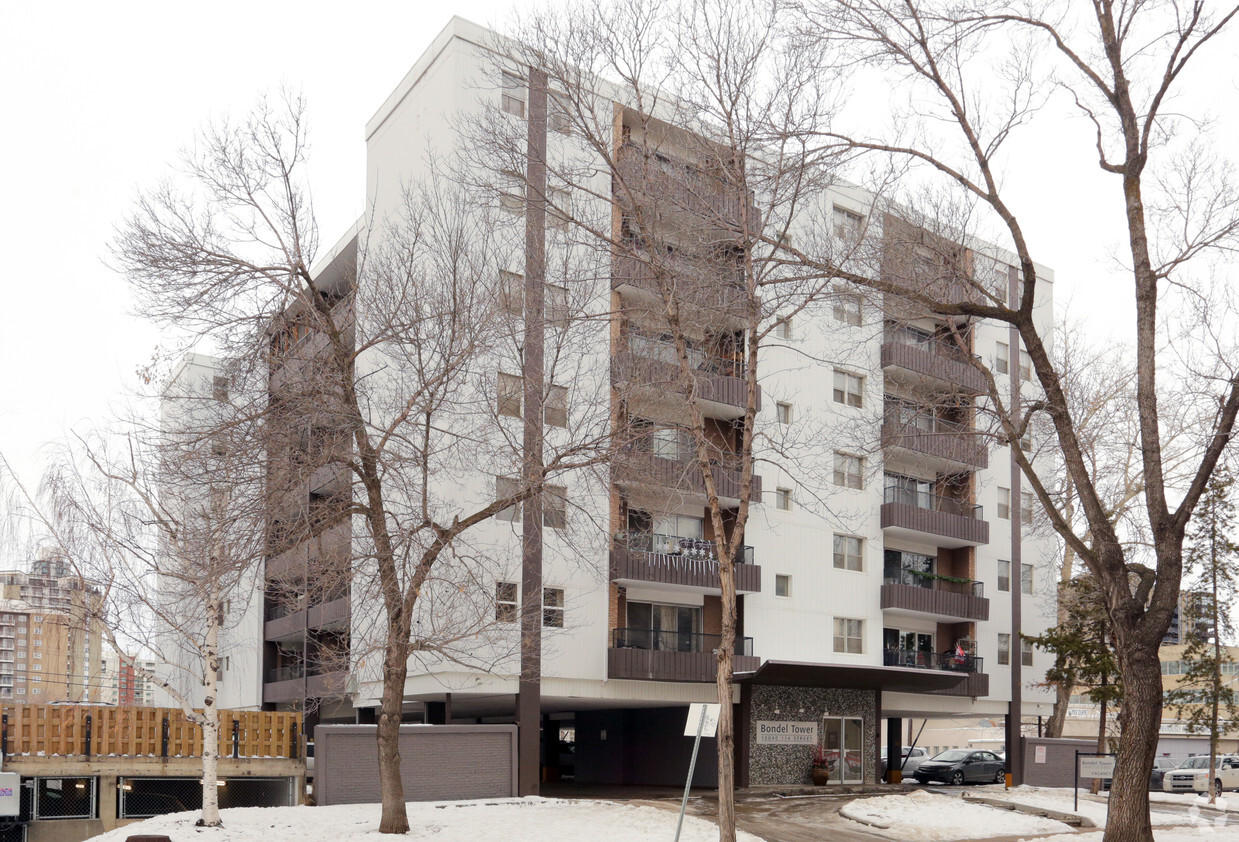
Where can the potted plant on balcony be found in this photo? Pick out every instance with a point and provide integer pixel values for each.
(821, 766)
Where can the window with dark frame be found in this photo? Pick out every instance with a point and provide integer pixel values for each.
(506, 487)
(553, 608)
(507, 605)
(512, 97)
(555, 507)
(1004, 575)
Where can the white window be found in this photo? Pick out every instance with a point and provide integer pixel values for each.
(38, 655)
(783, 499)
(849, 553)
(782, 585)
(847, 309)
(847, 224)
(849, 470)
(1004, 503)
(1026, 508)
(38, 630)
(783, 329)
(559, 208)
(848, 388)
(512, 97)
(849, 636)
(1004, 575)
(506, 610)
(21, 691)
(555, 507)
(1026, 653)
(553, 608)
(558, 117)
(1025, 365)
(556, 303)
(1026, 578)
(506, 487)
(784, 412)
(512, 196)
(512, 292)
(1004, 649)
(555, 411)
(1002, 358)
(510, 389)
(666, 443)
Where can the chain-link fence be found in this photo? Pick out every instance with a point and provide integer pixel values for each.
(66, 798)
(141, 798)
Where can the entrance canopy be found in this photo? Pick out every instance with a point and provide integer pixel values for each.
(851, 677)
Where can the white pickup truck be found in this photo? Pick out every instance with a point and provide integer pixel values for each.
(1193, 774)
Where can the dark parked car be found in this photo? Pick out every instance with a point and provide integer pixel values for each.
(960, 765)
(1161, 765)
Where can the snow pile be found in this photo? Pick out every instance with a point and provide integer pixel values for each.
(511, 819)
(923, 817)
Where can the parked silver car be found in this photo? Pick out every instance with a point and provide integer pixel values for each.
(912, 758)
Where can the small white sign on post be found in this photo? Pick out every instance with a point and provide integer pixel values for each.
(1096, 767)
(1039, 756)
(709, 725)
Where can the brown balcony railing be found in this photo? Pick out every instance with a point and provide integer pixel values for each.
(975, 683)
(924, 433)
(645, 654)
(931, 357)
(663, 181)
(649, 464)
(958, 521)
(670, 560)
(675, 641)
(704, 284)
(928, 593)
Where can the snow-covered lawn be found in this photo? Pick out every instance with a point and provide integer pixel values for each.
(924, 817)
(1161, 834)
(509, 820)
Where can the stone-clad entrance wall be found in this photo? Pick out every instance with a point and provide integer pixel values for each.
(791, 764)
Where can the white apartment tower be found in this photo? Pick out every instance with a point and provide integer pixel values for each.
(888, 573)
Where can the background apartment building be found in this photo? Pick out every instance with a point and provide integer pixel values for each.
(187, 408)
(127, 681)
(888, 573)
(49, 642)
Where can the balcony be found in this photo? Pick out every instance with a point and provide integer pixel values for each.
(946, 598)
(975, 683)
(291, 683)
(715, 291)
(643, 465)
(938, 444)
(677, 562)
(288, 622)
(681, 193)
(652, 366)
(917, 515)
(912, 355)
(651, 655)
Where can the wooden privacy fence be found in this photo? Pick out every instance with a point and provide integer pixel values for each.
(97, 730)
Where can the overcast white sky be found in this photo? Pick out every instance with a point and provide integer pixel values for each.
(98, 99)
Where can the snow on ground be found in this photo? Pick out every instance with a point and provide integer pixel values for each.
(1058, 798)
(509, 819)
(1229, 803)
(1161, 834)
(923, 817)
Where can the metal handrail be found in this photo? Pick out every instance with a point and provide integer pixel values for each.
(696, 549)
(665, 640)
(933, 502)
(950, 661)
(930, 581)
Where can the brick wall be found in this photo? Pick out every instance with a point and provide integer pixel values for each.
(437, 762)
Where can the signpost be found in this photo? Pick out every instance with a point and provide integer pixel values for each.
(1090, 764)
(702, 722)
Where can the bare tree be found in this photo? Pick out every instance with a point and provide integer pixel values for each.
(975, 69)
(387, 358)
(168, 524)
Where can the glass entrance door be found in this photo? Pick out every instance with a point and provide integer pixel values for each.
(844, 742)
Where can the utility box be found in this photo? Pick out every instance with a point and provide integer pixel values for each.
(10, 794)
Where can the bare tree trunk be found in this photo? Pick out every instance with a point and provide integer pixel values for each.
(395, 818)
(724, 682)
(1140, 720)
(210, 713)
